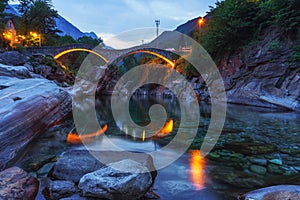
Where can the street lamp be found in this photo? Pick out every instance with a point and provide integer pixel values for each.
(201, 22)
(157, 22)
(36, 35)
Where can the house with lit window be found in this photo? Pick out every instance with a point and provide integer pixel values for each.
(10, 32)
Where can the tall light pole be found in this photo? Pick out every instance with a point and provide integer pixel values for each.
(201, 22)
(157, 22)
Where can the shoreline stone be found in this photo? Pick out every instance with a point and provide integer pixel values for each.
(15, 183)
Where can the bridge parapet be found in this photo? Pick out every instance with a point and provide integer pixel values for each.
(111, 55)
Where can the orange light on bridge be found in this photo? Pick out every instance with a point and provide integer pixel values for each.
(80, 49)
(75, 138)
(201, 21)
(197, 164)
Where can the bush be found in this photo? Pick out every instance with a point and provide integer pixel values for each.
(236, 23)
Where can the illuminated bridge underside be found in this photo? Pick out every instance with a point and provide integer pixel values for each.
(79, 49)
(107, 55)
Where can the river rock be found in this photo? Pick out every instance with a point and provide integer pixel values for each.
(248, 148)
(73, 164)
(14, 71)
(176, 187)
(237, 178)
(14, 58)
(279, 192)
(114, 184)
(15, 183)
(59, 189)
(28, 108)
(258, 169)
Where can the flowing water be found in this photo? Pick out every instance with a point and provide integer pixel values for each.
(192, 176)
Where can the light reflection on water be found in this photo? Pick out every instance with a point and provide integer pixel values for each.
(197, 167)
(183, 179)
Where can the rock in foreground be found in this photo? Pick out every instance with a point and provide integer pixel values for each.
(74, 164)
(28, 108)
(279, 192)
(15, 183)
(114, 184)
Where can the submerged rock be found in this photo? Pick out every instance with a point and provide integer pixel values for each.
(114, 184)
(28, 108)
(237, 178)
(15, 183)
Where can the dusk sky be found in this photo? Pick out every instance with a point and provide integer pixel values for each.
(109, 18)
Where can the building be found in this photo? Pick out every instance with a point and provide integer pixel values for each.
(10, 32)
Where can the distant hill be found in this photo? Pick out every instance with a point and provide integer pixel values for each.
(188, 27)
(171, 40)
(63, 25)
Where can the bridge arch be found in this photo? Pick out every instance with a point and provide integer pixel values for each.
(170, 62)
(57, 56)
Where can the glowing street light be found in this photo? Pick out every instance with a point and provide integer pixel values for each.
(36, 35)
(201, 22)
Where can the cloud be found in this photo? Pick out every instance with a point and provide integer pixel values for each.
(116, 16)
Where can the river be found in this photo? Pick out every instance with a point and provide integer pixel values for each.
(253, 139)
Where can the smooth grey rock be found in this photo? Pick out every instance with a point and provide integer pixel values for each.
(60, 189)
(15, 183)
(73, 164)
(237, 178)
(45, 169)
(259, 161)
(14, 71)
(114, 184)
(176, 187)
(43, 70)
(258, 169)
(276, 169)
(14, 58)
(278, 192)
(28, 108)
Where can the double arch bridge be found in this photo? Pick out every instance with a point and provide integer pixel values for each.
(107, 55)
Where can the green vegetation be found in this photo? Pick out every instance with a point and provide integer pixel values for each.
(236, 23)
(36, 26)
(37, 16)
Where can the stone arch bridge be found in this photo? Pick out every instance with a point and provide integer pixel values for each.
(108, 55)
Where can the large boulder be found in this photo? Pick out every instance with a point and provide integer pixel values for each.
(28, 108)
(15, 183)
(14, 58)
(278, 192)
(110, 183)
(59, 189)
(14, 71)
(74, 164)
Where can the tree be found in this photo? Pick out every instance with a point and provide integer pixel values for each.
(38, 16)
(3, 4)
(24, 9)
(89, 40)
